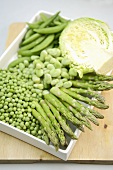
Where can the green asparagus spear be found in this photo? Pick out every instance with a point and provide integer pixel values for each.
(64, 111)
(97, 77)
(62, 122)
(96, 87)
(56, 125)
(78, 115)
(84, 99)
(44, 115)
(80, 107)
(46, 138)
(47, 129)
(96, 114)
(89, 93)
(68, 115)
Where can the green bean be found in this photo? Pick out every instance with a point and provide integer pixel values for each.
(32, 44)
(49, 20)
(51, 30)
(17, 61)
(28, 33)
(30, 39)
(43, 44)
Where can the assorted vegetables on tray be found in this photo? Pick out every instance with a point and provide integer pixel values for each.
(45, 91)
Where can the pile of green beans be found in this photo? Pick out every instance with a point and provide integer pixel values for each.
(42, 34)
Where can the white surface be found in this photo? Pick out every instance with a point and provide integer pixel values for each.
(21, 11)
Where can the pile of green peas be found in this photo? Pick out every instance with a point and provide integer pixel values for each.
(16, 101)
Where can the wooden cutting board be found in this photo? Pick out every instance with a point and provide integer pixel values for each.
(92, 147)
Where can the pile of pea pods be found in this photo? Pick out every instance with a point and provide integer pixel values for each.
(42, 34)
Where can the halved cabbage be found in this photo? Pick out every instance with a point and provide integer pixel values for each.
(88, 41)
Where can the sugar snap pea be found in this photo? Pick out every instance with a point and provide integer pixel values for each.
(48, 40)
(33, 44)
(49, 20)
(25, 53)
(51, 30)
(28, 34)
(30, 39)
(17, 61)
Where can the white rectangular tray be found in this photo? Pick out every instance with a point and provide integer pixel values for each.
(9, 55)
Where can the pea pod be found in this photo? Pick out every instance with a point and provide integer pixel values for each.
(30, 39)
(17, 61)
(28, 33)
(25, 53)
(48, 40)
(49, 20)
(33, 44)
(51, 30)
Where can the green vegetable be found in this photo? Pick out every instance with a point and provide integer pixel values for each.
(63, 124)
(47, 129)
(51, 30)
(28, 33)
(17, 61)
(49, 20)
(88, 41)
(97, 87)
(65, 97)
(32, 44)
(30, 39)
(85, 99)
(44, 44)
(64, 111)
(89, 93)
(56, 125)
(78, 115)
